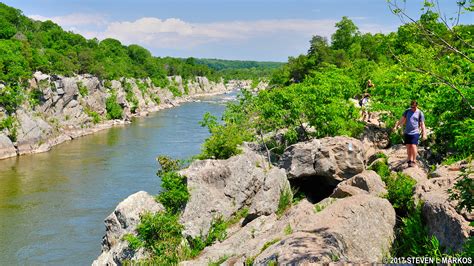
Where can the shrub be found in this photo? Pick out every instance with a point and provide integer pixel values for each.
(381, 168)
(162, 234)
(288, 230)
(11, 124)
(285, 201)
(224, 140)
(242, 213)
(92, 114)
(400, 192)
(175, 192)
(10, 98)
(108, 84)
(217, 231)
(413, 239)
(35, 97)
(156, 99)
(83, 90)
(130, 96)
(114, 110)
(463, 190)
(175, 90)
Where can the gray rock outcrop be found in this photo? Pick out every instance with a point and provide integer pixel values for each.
(449, 226)
(64, 108)
(124, 220)
(366, 182)
(32, 132)
(356, 229)
(223, 187)
(332, 158)
(6, 147)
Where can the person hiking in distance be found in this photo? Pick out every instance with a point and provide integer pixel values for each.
(364, 107)
(370, 85)
(414, 120)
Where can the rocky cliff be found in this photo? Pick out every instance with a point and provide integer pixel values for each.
(63, 108)
(345, 216)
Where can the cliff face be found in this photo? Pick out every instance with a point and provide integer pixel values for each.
(65, 108)
(344, 218)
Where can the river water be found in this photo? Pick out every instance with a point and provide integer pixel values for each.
(52, 205)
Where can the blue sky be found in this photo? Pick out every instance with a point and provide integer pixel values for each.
(264, 30)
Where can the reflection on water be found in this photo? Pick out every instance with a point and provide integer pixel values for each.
(52, 205)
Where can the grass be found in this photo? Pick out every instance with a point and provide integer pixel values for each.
(219, 261)
(268, 244)
(242, 213)
(318, 207)
(92, 114)
(284, 203)
(288, 230)
(83, 90)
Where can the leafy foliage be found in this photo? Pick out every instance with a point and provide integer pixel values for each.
(413, 239)
(175, 191)
(224, 139)
(463, 190)
(286, 198)
(114, 110)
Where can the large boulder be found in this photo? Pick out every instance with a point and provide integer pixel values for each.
(70, 88)
(32, 132)
(333, 158)
(443, 220)
(124, 220)
(375, 138)
(365, 182)
(6, 147)
(223, 187)
(358, 229)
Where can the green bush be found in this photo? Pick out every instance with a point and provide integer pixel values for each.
(92, 114)
(463, 190)
(108, 84)
(224, 139)
(162, 234)
(10, 123)
(400, 192)
(413, 239)
(381, 168)
(175, 90)
(83, 90)
(175, 192)
(35, 97)
(10, 98)
(114, 110)
(284, 202)
(130, 96)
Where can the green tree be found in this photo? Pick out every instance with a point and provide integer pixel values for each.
(345, 34)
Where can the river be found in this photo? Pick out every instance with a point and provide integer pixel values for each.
(52, 205)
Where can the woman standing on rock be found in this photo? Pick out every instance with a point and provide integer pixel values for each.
(414, 119)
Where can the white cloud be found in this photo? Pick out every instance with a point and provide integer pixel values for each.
(74, 20)
(174, 33)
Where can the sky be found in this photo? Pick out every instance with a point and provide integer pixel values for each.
(262, 30)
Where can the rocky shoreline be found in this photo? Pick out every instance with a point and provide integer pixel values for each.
(345, 216)
(67, 107)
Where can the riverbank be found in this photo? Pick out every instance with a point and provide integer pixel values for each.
(66, 108)
(52, 204)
